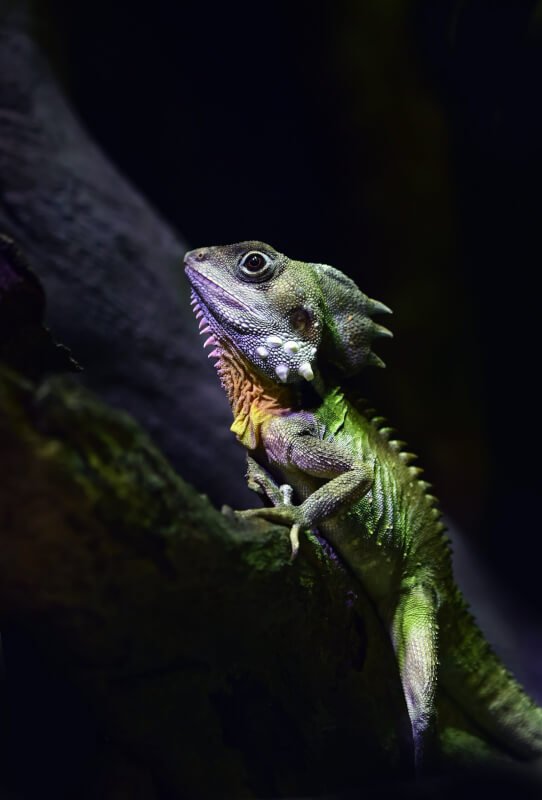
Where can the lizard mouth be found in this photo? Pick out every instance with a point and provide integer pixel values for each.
(209, 290)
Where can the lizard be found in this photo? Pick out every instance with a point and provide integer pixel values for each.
(285, 336)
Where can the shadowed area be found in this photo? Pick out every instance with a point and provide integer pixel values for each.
(155, 648)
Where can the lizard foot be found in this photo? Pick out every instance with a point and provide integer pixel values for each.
(286, 514)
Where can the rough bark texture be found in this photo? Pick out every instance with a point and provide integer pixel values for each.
(181, 653)
(193, 638)
(25, 342)
(112, 270)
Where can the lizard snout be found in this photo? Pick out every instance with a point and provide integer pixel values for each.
(196, 256)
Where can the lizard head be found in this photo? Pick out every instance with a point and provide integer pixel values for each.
(281, 314)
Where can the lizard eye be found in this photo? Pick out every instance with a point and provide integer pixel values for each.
(255, 265)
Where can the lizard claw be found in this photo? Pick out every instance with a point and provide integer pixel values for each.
(283, 515)
(294, 540)
(254, 485)
(228, 512)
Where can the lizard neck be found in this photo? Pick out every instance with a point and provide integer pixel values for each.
(254, 399)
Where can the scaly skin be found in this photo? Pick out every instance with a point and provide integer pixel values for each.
(284, 333)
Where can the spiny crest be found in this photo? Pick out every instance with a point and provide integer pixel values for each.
(350, 331)
(379, 423)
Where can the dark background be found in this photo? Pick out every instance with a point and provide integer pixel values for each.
(398, 141)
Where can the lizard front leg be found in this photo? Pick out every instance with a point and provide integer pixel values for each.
(262, 482)
(292, 444)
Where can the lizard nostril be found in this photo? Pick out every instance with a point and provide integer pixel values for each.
(196, 255)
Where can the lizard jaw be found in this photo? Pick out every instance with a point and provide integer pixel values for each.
(289, 358)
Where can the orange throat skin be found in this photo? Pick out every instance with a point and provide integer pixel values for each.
(254, 399)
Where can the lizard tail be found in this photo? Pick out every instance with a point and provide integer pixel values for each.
(486, 691)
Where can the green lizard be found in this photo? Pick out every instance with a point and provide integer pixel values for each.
(284, 334)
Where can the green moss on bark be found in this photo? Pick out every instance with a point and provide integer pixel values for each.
(190, 634)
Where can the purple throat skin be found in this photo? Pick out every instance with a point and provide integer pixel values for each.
(285, 335)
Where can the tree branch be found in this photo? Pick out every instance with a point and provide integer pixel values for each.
(112, 270)
(191, 635)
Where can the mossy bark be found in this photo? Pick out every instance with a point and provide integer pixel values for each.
(194, 638)
(110, 265)
(212, 663)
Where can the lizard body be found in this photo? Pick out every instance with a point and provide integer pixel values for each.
(284, 334)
